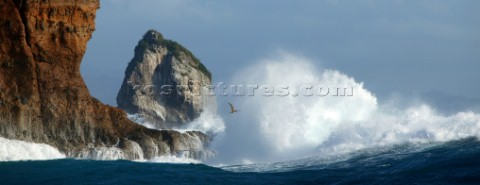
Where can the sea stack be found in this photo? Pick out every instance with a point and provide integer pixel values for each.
(44, 99)
(164, 83)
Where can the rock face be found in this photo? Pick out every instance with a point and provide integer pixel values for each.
(164, 83)
(44, 99)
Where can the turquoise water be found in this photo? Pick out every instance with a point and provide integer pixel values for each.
(456, 162)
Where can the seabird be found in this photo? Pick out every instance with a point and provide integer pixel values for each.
(232, 109)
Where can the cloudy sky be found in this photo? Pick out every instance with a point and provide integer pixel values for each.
(391, 46)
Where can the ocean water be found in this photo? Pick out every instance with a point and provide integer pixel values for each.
(454, 162)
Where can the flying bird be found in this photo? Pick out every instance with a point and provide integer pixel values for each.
(232, 109)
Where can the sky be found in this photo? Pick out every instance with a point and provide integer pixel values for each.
(391, 46)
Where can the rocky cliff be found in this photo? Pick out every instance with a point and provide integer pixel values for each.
(44, 99)
(164, 83)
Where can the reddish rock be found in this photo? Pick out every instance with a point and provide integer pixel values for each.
(43, 97)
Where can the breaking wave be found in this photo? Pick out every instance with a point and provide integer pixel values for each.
(15, 150)
(278, 128)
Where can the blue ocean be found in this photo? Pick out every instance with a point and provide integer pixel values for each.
(454, 162)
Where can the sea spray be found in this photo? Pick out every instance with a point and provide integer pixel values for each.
(276, 128)
(209, 121)
(15, 150)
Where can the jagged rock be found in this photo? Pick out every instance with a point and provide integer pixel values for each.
(44, 98)
(163, 83)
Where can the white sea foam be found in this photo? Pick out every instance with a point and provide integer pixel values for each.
(101, 153)
(208, 122)
(277, 128)
(15, 150)
(173, 159)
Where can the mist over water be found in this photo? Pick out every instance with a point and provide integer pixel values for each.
(282, 128)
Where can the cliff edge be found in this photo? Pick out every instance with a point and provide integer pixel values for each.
(44, 99)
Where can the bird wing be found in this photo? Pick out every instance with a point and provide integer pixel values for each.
(231, 107)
